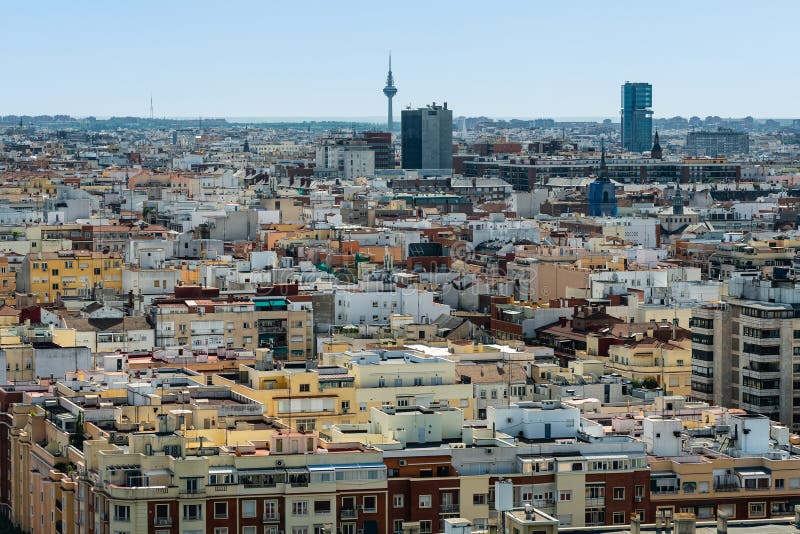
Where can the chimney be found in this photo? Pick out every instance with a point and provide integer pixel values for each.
(636, 524)
(685, 524)
(722, 521)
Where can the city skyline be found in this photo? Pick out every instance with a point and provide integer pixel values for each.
(217, 63)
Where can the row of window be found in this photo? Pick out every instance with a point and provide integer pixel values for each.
(191, 512)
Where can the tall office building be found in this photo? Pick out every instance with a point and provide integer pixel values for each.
(723, 142)
(637, 117)
(427, 137)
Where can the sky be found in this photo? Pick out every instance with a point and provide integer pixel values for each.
(326, 58)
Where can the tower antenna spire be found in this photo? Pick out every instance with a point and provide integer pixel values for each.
(389, 91)
(151, 106)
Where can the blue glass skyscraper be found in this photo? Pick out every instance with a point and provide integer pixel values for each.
(637, 117)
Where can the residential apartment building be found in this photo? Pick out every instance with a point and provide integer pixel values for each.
(669, 363)
(199, 318)
(70, 274)
(746, 350)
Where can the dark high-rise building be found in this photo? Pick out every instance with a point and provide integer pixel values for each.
(427, 137)
(381, 144)
(637, 117)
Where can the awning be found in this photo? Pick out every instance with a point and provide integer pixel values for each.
(157, 472)
(297, 470)
(327, 467)
(221, 470)
(664, 474)
(755, 472)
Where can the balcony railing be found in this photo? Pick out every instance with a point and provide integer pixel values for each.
(162, 521)
(271, 517)
(595, 501)
(664, 491)
(348, 513)
(449, 508)
(726, 487)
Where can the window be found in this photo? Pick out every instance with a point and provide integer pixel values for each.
(322, 507)
(757, 509)
(398, 525)
(370, 504)
(191, 485)
(565, 495)
(305, 388)
(425, 526)
(595, 491)
(220, 530)
(122, 513)
(248, 508)
(398, 501)
(299, 530)
(779, 483)
(270, 510)
(249, 530)
(480, 498)
(619, 494)
(162, 515)
(345, 406)
(221, 510)
(192, 512)
(350, 528)
(424, 501)
(417, 380)
(300, 508)
(619, 518)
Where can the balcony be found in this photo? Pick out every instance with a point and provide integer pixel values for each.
(664, 491)
(189, 493)
(449, 509)
(271, 517)
(162, 522)
(595, 501)
(348, 513)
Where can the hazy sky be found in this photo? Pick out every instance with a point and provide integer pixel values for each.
(328, 58)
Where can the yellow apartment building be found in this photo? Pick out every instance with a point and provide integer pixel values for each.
(404, 378)
(69, 273)
(670, 363)
(313, 399)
